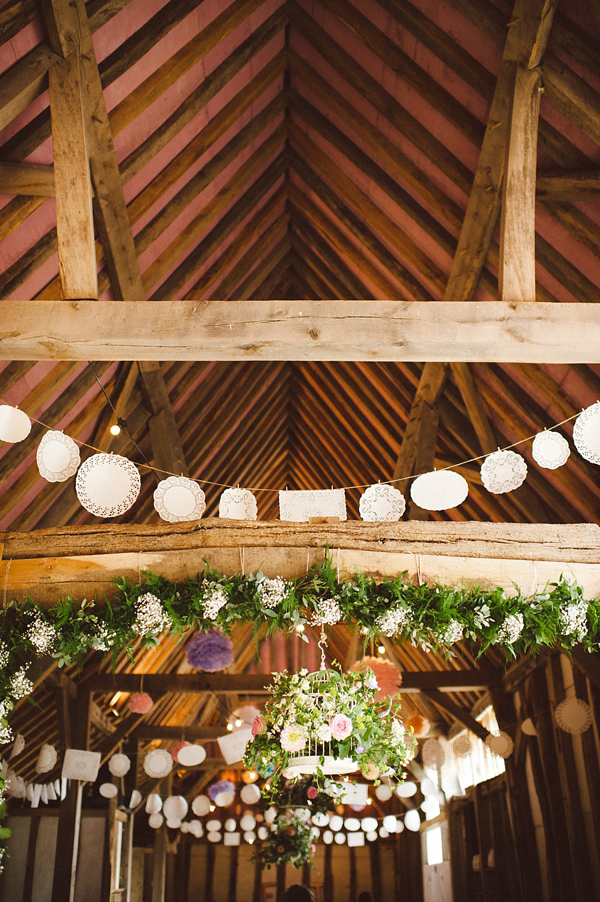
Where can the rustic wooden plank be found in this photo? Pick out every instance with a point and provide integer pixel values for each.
(572, 95)
(309, 330)
(167, 451)
(517, 239)
(578, 186)
(228, 286)
(23, 82)
(27, 178)
(472, 399)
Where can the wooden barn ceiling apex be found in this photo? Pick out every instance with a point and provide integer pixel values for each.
(266, 199)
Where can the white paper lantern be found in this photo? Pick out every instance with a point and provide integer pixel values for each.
(462, 746)
(214, 824)
(185, 827)
(315, 833)
(178, 498)
(270, 815)
(382, 503)
(230, 824)
(250, 836)
(191, 755)
(336, 822)
(586, 433)
(248, 821)
(15, 425)
(173, 823)
(328, 837)
(550, 450)
(389, 822)
(213, 836)
(136, 798)
(574, 716)
(158, 763)
(119, 765)
(368, 824)
(57, 456)
(201, 805)
(406, 790)
(412, 820)
(428, 788)
(108, 790)
(528, 727)
(156, 820)
(250, 794)
(238, 504)
(320, 819)
(372, 835)
(503, 471)
(107, 484)
(196, 829)
(352, 823)
(500, 744)
(175, 807)
(433, 754)
(262, 833)
(340, 838)
(383, 792)
(439, 490)
(399, 826)
(224, 799)
(153, 803)
(383, 833)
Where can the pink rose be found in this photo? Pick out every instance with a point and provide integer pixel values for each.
(312, 792)
(259, 725)
(341, 726)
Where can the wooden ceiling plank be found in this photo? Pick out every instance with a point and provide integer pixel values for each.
(573, 96)
(442, 701)
(516, 281)
(323, 266)
(317, 240)
(23, 82)
(578, 185)
(265, 240)
(34, 179)
(167, 451)
(430, 387)
(472, 399)
(254, 279)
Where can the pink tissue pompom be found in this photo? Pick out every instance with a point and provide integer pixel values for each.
(177, 748)
(388, 678)
(140, 703)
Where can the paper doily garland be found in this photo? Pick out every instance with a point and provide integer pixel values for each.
(158, 763)
(238, 504)
(107, 484)
(550, 450)
(503, 471)
(300, 506)
(439, 490)
(57, 456)
(178, 498)
(586, 433)
(500, 744)
(15, 425)
(574, 716)
(462, 747)
(382, 503)
(433, 754)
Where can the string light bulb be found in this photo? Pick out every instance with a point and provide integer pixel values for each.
(115, 429)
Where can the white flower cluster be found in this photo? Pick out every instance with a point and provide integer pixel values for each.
(150, 616)
(328, 611)
(20, 685)
(4, 654)
(42, 635)
(214, 598)
(392, 622)
(6, 734)
(273, 591)
(452, 633)
(398, 732)
(574, 619)
(510, 629)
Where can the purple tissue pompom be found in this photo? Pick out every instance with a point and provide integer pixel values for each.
(209, 651)
(221, 786)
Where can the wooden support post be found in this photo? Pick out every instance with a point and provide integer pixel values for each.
(376, 884)
(328, 875)
(257, 887)
(353, 879)
(280, 882)
(590, 757)
(159, 865)
(233, 873)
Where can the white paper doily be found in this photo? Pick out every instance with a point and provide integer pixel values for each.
(550, 450)
(238, 504)
(382, 503)
(57, 456)
(158, 763)
(574, 716)
(500, 744)
(433, 754)
(15, 425)
(47, 758)
(178, 498)
(462, 746)
(503, 471)
(107, 484)
(586, 433)
(300, 506)
(439, 490)
(201, 805)
(191, 755)
(119, 765)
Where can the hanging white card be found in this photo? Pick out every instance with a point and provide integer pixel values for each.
(550, 450)
(382, 503)
(439, 490)
(299, 507)
(503, 471)
(233, 745)
(79, 764)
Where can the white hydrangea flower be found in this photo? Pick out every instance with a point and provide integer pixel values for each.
(20, 685)
(510, 629)
(42, 635)
(214, 598)
(574, 620)
(328, 611)
(452, 633)
(273, 591)
(150, 616)
(392, 621)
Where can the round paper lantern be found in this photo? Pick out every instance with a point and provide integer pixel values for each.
(340, 838)
(586, 433)
(230, 824)
(47, 758)
(500, 744)
(439, 490)
(196, 829)
(107, 484)
(119, 765)
(320, 819)
(368, 824)
(399, 826)
(433, 754)
(178, 498)
(372, 835)
(352, 823)
(153, 803)
(243, 717)
(573, 715)
(185, 827)
(383, 792)
(210, 651)
(158, 763)
(213, 836)
(173, 823)
(528, 727)
(15, 425)
(250, 794)
(136, 798)
(503, 471)
(224, 799)
(412, 820)
(238, 504)
(108, 790)
(250, 836)
(191, 755)
(213, 825)
(57, 456)
(428, 787)
(389, 822)
(371, 772)
(220, 786)
(328, 837)
(383, 833)
(420, 725)
(201, 805)
(175, 808)
(249, 776)
(156, 821)
(550, 450)
(262, 833)
(387, 676)
(382, 503)
(336, 822)
(140, 702)
(248, 821)
(406, 790)
(181, 744)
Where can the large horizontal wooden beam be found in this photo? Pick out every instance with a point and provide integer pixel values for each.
(492, 331)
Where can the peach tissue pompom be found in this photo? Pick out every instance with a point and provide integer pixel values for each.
(388, 678)
(140, 703)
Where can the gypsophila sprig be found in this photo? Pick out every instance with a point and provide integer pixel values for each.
(272, 592)
(510, 630)
(150, 615)
(42, 635)
(326, 611)
(214, 598)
